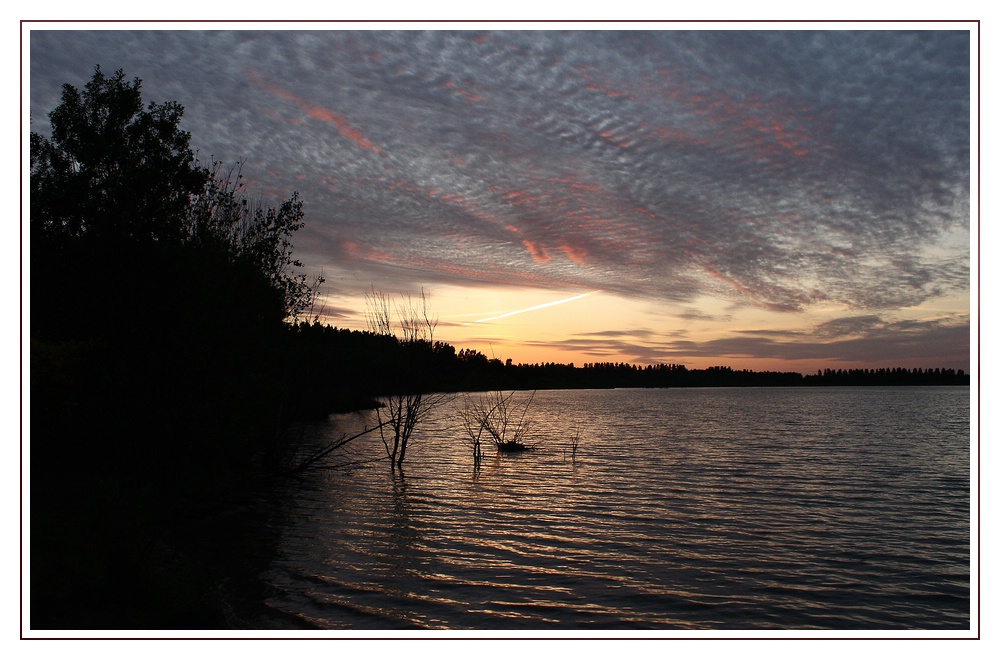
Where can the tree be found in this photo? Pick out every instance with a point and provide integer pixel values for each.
(112, 168)
(116, 189)
(226, 218)
(409, 403)
(160, 359)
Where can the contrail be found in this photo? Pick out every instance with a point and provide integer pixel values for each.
(531, 309)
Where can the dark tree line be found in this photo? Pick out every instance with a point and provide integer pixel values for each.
(887, 377)
(346, 369)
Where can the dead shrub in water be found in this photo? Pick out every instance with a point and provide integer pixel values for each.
(496, 418)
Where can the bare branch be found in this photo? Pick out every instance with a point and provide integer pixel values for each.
(506, 425)
(333, 446)
(410, 403)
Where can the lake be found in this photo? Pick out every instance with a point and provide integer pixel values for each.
(683, 509)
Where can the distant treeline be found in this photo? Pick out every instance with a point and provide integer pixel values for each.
(341, 369)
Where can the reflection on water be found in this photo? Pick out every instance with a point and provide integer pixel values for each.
(682, 509)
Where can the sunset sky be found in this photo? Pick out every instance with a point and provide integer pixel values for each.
(790, 200)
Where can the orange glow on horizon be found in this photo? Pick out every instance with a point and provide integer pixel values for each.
(534, 326)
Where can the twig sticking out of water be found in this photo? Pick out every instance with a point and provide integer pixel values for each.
(497, 418)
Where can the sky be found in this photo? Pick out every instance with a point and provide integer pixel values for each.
(790, 200)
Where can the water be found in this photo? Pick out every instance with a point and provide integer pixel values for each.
(721, 509)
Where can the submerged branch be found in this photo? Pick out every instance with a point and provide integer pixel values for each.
(337, 444)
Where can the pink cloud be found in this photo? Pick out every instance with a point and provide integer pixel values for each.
(576, 254)
(340, 123)
(537, 252)
(722, 278)
(767, 127)
(319, 113)
(358, 251)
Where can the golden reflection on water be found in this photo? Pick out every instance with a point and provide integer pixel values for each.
(690, 509)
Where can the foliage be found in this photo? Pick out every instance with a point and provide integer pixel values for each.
(225, 217)
(115, 182)
(111, 168)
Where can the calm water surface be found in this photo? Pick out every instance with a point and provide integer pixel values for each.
(723, 509)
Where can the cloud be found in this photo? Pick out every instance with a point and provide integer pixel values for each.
(316, 112)
(862, 340)
(779, 170)
(849, 326)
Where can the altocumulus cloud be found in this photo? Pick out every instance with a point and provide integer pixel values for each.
(773, 169)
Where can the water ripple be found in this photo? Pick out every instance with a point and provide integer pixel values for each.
(683, 509)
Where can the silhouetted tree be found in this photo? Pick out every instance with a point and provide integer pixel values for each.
(409, 401)
(224, 216)
(159, 355)
(117, 191)
(111, 167)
